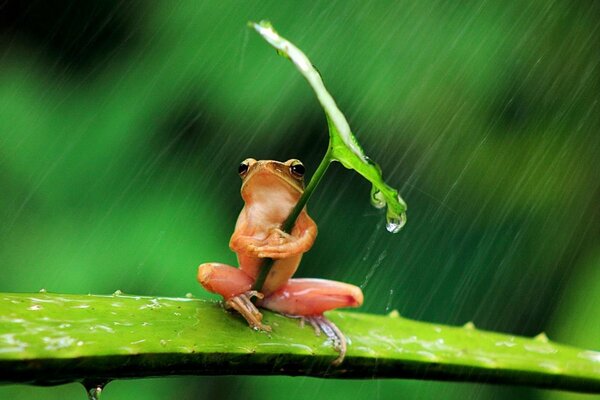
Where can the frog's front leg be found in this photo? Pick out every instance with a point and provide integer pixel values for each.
(280, 244)
(235, 287)
(309, 299)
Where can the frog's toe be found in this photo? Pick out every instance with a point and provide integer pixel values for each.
(243, 305)
(320, 323)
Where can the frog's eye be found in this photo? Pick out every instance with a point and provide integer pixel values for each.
(243, 168)
(297, 169)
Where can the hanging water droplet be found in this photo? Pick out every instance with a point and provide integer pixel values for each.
(94, 393)
(395, 222)
(93, 390)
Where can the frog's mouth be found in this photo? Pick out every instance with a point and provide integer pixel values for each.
(269, 177)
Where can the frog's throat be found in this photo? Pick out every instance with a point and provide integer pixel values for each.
(298, 187)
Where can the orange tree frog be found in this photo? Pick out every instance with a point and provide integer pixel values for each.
(270, 189)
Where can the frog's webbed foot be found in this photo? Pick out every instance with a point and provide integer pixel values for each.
(242, 304)
(320, 323)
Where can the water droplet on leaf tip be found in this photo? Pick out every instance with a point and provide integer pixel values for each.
(395, 223)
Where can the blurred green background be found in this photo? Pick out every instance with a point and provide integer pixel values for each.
(122, 125)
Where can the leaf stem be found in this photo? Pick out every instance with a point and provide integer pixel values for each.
(289, 223)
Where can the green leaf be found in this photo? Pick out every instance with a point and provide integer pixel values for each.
(343, 145)
(55, 338)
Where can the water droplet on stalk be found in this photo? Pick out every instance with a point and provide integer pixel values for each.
(542, 337)
(469, 325)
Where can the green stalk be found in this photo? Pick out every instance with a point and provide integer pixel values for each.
(57, 338)
(290, 221)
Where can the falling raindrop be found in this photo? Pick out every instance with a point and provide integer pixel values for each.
(388, 307)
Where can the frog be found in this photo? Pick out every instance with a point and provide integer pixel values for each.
(270, 190)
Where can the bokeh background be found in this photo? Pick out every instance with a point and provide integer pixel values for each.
(122, 125)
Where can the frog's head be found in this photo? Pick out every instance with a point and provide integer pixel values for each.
(267, 178)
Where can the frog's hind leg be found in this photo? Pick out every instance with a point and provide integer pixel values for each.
(235, 287)
(310, 298)
(320, 323)
(223, 279)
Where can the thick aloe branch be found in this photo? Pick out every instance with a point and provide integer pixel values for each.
(54, 338)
